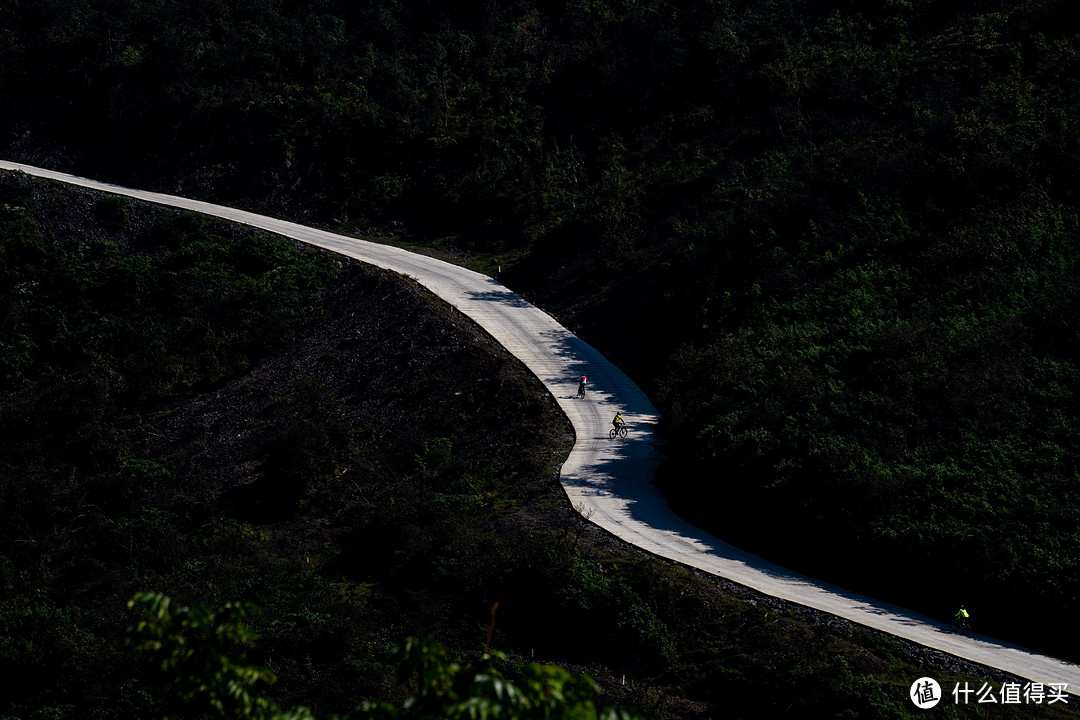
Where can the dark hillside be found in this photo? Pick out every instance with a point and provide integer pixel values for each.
(835, 240)
(849, 257)
(351, 457)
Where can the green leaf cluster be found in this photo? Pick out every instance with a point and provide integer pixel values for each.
(200, 654)
(490, 688)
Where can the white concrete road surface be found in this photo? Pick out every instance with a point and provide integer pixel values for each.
(610, 481)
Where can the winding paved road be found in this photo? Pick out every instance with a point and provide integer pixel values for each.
(610, 482)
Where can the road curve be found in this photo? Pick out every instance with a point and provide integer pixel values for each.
(610, 482)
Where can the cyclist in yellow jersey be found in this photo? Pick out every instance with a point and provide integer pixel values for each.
(961, 622)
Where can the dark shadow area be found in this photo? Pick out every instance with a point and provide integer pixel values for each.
(500, 295)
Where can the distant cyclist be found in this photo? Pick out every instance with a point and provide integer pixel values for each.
(581, 385)
(962, 620)
(617, 421)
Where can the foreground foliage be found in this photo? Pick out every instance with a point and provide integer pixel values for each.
(200, 653)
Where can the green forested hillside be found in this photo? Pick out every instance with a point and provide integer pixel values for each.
(835, 239)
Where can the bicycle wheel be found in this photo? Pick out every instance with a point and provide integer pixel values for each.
(622, 432)
(611, 433)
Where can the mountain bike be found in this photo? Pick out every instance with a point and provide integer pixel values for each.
(961, 625)
(620, 431)
(581, 390)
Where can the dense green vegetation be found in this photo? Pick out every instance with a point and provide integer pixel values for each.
(201, 654)
(842, 235)
(894, 373)
(97, 339)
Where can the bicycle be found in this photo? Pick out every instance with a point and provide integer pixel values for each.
(581, 390)
(619, 431)
(961, 626)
